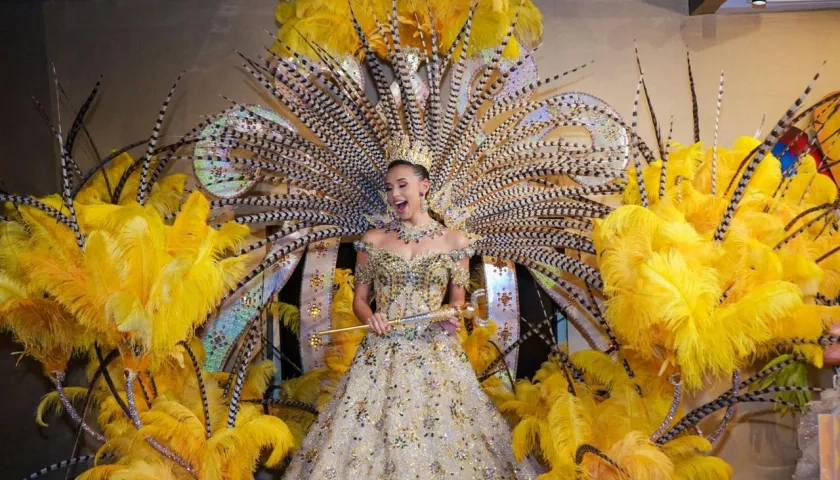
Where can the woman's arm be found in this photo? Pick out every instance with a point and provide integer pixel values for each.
(458, 291)
(361, 298)
(457, 296)
(458, 282)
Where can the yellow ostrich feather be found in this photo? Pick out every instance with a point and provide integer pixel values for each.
(339, 355)
(553, 422)
(329, 25)
(176, 426)
(233, 453)
(176, 419)
(165, 196)
(139, 285)
(258, 378)
(603, 369)
(13, 240)
(50, 237)
(637, 456)
(132, 470)
(526, 438)
(701, 467)
(141, 281)
(288, 314)
(676, 296)
(41, 325)
(691, 462)
(308, 388)
(682, 164)
(476, 346)
(830, 285)
(619, 424)
(51, 403)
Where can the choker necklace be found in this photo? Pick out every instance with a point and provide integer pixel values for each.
(414, 233)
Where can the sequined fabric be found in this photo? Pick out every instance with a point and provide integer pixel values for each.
(410, 406)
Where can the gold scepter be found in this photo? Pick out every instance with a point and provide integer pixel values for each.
(469, 311)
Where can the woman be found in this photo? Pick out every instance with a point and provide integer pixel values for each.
(410, 405)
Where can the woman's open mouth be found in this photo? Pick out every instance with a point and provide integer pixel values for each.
(401, 206)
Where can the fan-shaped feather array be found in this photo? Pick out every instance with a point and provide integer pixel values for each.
(489, 169)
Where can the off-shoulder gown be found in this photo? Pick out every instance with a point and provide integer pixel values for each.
(410, 407)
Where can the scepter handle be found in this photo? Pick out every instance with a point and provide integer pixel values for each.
(441, 314)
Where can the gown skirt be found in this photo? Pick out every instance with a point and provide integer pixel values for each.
(409, 407)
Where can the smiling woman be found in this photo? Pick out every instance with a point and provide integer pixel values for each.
(403, 374)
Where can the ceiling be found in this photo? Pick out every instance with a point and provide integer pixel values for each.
(699, 7)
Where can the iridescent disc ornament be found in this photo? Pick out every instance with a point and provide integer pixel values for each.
(525, 74)
(222, 178)
(598, 120)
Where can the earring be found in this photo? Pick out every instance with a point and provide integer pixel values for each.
(423, 206)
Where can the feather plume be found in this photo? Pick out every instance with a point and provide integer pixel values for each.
(51, 403)
(638, 457)
(702, 468)
(233, 453)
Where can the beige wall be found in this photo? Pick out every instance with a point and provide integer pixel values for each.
(768, 59)
(141, 46)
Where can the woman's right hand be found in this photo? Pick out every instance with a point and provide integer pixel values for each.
(379, 323)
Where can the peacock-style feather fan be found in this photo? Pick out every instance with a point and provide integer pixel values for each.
(489, 160)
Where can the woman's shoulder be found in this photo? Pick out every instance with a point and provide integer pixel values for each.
(458, 244)
(373, 235)
(456, 239)
(371, 238)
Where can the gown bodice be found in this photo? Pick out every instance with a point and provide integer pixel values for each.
(404, 287)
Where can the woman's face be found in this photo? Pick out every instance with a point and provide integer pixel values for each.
(405, 190)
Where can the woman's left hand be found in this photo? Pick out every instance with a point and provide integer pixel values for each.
(452, 325)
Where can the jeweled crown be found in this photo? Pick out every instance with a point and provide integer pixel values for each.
(402, 148)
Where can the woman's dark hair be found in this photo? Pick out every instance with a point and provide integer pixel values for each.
(418, 170)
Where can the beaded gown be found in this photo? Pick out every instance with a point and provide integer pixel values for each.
(410, 407)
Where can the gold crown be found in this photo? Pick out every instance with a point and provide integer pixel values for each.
(402, 148)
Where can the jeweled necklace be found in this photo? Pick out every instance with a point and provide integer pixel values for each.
(414, 233)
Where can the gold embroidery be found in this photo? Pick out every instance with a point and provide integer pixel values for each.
(460, 276)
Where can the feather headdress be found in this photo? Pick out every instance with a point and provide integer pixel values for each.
(489, 161)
